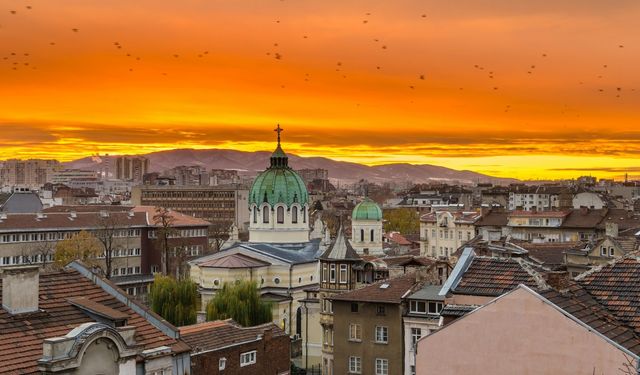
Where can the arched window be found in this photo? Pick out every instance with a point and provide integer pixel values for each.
(361, 235)
(255, 215)
(280, 214)
(304, 214)
(372, 235)
(265, 215)
(294, 215)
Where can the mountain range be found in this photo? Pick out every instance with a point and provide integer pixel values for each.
(253, 162)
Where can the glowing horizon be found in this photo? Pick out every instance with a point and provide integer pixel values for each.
(526, 90)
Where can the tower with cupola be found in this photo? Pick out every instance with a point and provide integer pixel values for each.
(279, 203)
(366, 228)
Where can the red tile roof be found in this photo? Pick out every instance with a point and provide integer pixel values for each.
(579, 303)
(222, 333)
(617, 287)
(179, 219)
(21, 336)
(387, 291)
(488, 276)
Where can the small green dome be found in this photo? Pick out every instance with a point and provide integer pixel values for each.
(278, 184)
(367, 210)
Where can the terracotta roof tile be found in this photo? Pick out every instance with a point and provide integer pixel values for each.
(583, 306)
(21, 336)
(617, 287)
(218, 334)
(488, 276)
(387, 291)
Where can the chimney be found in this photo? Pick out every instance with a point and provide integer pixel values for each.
(558, 280)
(20, 289)
(611, 229)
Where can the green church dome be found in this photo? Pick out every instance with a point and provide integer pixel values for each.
(367, 210)
(279, 183)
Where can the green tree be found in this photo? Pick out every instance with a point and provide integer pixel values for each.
(81, 246)
(403, 220)
(174, 300)
(241, 302)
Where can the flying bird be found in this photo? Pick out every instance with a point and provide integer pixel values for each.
(75, 30)
(422, 77)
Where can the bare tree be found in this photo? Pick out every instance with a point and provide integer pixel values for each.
(219, 233)
(40, 252)
(164, 220)
(107, 227)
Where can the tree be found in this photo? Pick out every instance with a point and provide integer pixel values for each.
(107, 228)
(219, 232)
(174, 300)
(81, 246)
(164, 220)
(403, 220)
(241, 302)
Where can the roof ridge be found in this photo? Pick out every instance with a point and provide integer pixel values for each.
(630, 255)
(537, 277)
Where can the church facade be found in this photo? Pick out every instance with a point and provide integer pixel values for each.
(279, 255)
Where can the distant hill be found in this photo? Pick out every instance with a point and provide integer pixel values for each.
(253, 162)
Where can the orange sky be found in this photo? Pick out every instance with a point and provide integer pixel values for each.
(525, 89)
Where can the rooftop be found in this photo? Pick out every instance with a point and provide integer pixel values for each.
(65, 297)
(387, 291)
(489, 276)
(218, 334)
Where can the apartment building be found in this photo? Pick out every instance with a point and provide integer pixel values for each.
(31, 173)
(529, 198)
(32, 238)
(442, 232)
(131, 168)
(216, 204)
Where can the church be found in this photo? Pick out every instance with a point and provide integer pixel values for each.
(279, 256)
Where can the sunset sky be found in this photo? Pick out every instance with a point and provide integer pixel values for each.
(526, 89)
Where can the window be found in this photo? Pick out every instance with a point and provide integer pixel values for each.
(355, 365)
(304, 214)
(435, 307)
(382, 366)
(433, 233)
(324, 273)
(418, 307)
(459, 235)
(355, 332)
(382, 334)
(332, 273)
(280, 215)
(361, 235)
(603, 251)
(265, 215)
(611, 251)
(380, 310)
(343, 273)
(255, 215)
(416, 334)
(222, 363)
(354, 307)
(294, 215)
(276, 280)
(372, 236)
(154, 268)
(247, 358)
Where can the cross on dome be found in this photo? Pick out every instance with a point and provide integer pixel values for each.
(278, 130)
